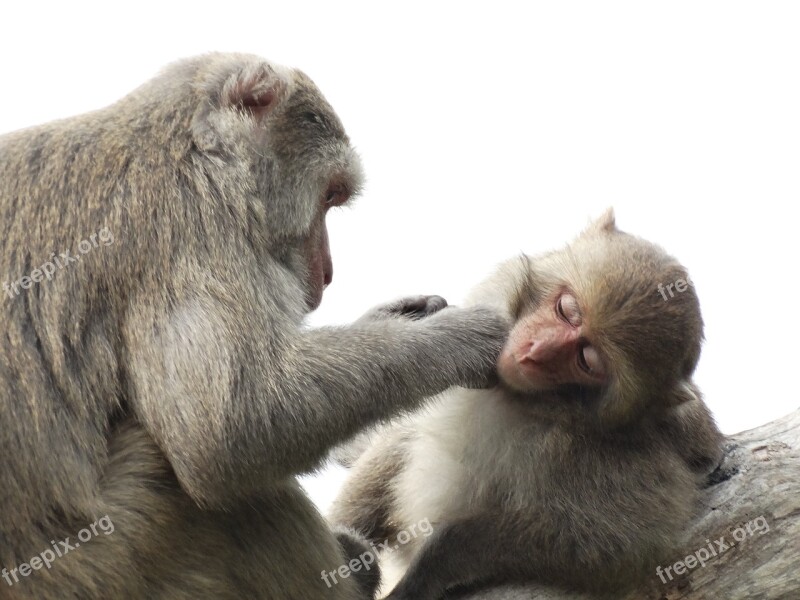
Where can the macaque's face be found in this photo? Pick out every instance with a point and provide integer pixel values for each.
(317, 248)
(550, 346)
(312, 149)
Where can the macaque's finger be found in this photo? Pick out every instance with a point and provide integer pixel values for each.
(419, 307)
(413, 307)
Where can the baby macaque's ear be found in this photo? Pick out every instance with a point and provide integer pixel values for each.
(684, 392)
(606, 223)
(623, 401)
(506, 288)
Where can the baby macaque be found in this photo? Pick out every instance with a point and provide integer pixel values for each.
(582, 466)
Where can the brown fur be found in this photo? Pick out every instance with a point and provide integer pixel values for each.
(582, 487)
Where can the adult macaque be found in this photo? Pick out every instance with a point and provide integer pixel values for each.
(581, 468)
(163, 382)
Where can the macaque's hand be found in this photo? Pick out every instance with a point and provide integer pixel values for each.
(480, 333)
(413, 307)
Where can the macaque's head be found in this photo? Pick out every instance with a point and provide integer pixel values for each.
(294, 158)
(604, 314)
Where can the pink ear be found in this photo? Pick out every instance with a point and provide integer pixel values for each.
(258, 101)
(254, 90)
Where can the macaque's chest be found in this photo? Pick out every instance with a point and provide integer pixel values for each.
(470, 445)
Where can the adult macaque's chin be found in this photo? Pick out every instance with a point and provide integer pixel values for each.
(315, 289)
(314, 298)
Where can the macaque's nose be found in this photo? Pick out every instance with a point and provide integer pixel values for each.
(541, 352)
(547, 347)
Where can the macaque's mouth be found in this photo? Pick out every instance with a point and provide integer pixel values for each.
(525, 376)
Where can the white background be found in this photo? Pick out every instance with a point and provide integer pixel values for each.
(491, 129)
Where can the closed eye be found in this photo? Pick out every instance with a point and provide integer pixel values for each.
(568, 309)
(590, 362)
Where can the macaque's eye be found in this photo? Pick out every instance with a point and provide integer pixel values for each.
(590, 362)
(568, 310)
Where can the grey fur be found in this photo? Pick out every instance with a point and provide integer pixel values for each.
(166, 380)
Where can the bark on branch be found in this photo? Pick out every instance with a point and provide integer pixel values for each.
(757, 484)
